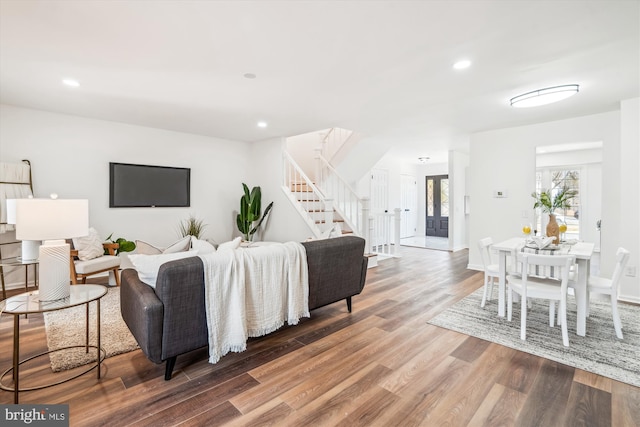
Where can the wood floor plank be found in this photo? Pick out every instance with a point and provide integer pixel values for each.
(587, 406)
(336, 403)
(625, 404)
(550, 391)
(500, 408)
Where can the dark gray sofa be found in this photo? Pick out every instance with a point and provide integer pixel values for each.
(170, 320)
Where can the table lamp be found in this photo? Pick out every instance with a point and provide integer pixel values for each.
(29, 247)
(52, 221)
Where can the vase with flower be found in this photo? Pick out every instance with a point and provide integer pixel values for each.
(549, 203)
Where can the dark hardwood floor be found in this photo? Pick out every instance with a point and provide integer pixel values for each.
(381, 365)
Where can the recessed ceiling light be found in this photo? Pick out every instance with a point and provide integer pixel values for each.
(461, 65)
(71, 82)
(262, 124)
(544, 96)
(249, 76)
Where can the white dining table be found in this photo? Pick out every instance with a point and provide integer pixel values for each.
(583, 251)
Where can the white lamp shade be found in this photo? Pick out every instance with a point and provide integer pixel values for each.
(11, 211)
(51, 219)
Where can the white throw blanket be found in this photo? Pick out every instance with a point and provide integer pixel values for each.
(251, 292)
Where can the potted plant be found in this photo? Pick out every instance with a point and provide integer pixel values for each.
(250, 212)
(124, 245)
(548, 203)
(192, 226)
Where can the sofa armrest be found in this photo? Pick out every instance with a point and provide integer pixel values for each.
(143, 312)
(337, 269)
(180, 287)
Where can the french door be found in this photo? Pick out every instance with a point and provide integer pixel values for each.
(437, 209)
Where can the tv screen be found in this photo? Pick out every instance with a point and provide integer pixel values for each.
(148, 186)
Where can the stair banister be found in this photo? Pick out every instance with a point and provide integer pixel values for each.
(347, 202)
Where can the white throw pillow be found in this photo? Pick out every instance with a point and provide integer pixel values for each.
(181, 245)
(89, 247)
(233, 244)
(202, 246)
(148, 265)
(144, 248)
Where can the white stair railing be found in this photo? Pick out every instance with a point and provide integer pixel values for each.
(333, 140)
(385, 233)
(296, 182)
(345, 200)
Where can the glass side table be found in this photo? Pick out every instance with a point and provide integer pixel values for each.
(29, 303)
(18, 262)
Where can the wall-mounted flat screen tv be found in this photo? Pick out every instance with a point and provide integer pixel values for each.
(148, 186)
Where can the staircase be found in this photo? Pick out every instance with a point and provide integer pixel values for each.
(329, 205)
(320, 211)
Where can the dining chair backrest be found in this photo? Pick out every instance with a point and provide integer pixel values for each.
(485, 250)
(622, 257)
(561, 262)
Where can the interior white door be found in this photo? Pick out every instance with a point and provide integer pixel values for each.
(379, 190)
(408, 205)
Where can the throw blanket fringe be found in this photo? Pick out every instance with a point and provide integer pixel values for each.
(250, 292)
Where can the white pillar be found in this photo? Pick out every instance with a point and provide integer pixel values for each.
(396, 234)
(364, 223)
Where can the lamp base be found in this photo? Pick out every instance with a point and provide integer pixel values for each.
(30, 250)
(54, 270)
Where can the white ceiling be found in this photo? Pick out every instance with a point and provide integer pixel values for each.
(381, 68)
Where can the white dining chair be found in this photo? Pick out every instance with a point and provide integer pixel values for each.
(602, 285)
(491, 270)
(530, 286)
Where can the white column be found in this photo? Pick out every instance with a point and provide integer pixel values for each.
(396, 230)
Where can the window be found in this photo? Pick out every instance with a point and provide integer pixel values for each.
(555, 180)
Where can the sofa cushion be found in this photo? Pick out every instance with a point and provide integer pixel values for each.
(104, 262)
(147, 266)
(89, 247)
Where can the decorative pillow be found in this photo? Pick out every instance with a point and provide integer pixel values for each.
(148, 265)
(181, 245)
(89, 247)
(144, 248)
(202, 246)
(233, 244)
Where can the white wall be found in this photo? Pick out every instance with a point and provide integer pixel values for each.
(505, 160)
(70, 156)
(629, 184)
(284, 223)
(302, 149)
(458, 164)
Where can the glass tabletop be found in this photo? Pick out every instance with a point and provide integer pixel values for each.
(16, 261)
(29, 302)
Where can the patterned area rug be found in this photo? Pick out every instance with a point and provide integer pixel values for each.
(599, 352)
(67, 327)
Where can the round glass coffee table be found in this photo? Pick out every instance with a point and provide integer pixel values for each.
(29, 303)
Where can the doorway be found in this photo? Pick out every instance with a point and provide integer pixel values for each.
(408, 205)
(437, 206)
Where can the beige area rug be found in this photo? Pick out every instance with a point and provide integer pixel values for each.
(67, 327)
